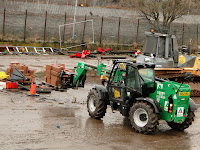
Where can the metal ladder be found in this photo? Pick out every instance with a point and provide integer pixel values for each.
(26, 50)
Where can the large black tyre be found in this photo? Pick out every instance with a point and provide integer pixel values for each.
(96, 107)
(180, 127)
(143, 118)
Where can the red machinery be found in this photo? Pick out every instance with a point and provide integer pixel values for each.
(83, 55)
(102, 51)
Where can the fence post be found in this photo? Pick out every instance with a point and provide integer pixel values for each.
(119, 29)
(183, 33)
(84, 29)
(197, 34)
(4, 19)
(101, 30)
(64, 27)
(25, 26)
(45, 25)
(137, 33)
(170, 28)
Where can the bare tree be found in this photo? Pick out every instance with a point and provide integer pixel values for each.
(161, 13)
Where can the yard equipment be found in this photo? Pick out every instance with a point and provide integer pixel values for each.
(6, 49)
(134, 91)
(77, 79)
(83, 55)
(102, 51)
(162, 49)
(17, 76)
(3, 75)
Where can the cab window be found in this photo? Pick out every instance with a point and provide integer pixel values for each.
(133, 79)
(118, 73)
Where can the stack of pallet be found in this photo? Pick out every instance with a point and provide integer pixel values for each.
(28, 73)
(52, 73)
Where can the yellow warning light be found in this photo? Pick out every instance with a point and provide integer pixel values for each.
(152, 30)
(81, 5)
(122, 65)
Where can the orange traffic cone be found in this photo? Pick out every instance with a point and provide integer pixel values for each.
(33, 90)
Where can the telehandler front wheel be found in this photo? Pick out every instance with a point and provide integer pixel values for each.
(180, 127)
(143, 118)
(96, 107)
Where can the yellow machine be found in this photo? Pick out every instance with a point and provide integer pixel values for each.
(162, 49)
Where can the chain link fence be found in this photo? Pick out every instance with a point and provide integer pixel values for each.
(111, 26)
(88, 3)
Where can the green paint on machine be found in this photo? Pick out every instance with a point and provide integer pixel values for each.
(162, 94)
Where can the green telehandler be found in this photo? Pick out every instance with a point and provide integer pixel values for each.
(133, 90)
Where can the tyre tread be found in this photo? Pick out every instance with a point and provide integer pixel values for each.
(101, 105)
(152, 125)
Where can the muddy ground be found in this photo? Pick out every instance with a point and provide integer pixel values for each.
(54, 121)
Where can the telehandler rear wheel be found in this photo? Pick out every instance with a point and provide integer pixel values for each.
(185, 124)
(96, 107)
(143, 118)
